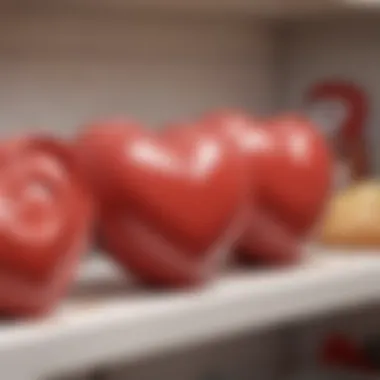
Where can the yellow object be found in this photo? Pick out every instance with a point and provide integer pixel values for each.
(353, 217)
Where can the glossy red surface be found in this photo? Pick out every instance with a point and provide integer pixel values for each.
(45, 215)
(300, 173)
(173, 203)
(287, 164)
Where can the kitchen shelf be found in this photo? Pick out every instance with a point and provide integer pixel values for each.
(107, 318)
(276, 9)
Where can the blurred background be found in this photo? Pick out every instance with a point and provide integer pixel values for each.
(63, 63)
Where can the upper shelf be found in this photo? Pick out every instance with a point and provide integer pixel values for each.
(262, 8)
(106, 318)
(294, 8)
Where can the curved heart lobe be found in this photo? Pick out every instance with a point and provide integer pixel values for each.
(45, 214)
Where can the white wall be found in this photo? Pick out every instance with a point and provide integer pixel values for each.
(348, 49)
(61, 69)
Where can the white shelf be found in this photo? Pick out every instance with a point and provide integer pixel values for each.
(107, 318)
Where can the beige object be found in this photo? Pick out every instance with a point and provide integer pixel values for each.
(353, 217)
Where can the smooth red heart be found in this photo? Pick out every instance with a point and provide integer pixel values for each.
(290, 160)
(45, 215)
(172, 205)
(301, 172)
(288, 186)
